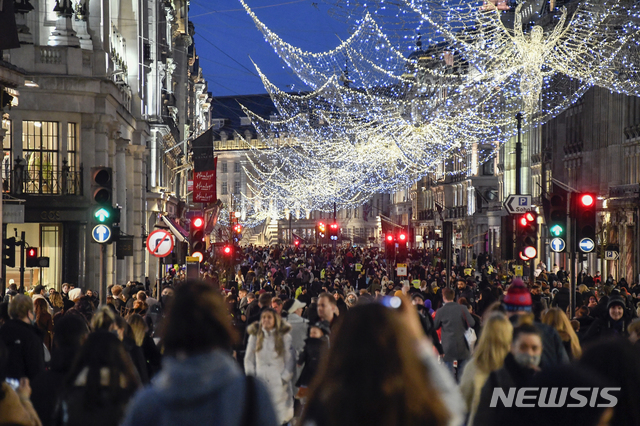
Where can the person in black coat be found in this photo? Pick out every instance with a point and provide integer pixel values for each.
(315, 346)
(69, 334)
(614, 324)
(26, 349)
(520, 366)
(427, 321)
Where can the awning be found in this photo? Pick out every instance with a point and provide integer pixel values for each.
(176, 229)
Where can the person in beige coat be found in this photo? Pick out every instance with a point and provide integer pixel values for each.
(490, 352)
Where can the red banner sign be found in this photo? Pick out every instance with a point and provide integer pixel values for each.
(204, 187)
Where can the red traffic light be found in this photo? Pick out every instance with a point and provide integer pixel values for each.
(529, 217)
(587, 200)
(530, 252)
(197, 222)
(32, 252)
(237, 229)
(227, 249)
(389, 238)
(334, 226)
(523, 257)
(402, 237)
(296, 242)
(523, 221)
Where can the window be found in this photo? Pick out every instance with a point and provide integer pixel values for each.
(236, 167)
(40, 152)
(224, 167)
(236, 187)
(225, 188)
(72, 147)
(6, 156)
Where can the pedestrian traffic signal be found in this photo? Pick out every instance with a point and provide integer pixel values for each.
(527, 235)
(557, 216)
(32, 258)
(196, 235)
(333, 231)
(101, 186)
(584, 213)
(9, 252)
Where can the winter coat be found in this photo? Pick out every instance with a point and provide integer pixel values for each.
(299, 328)
(26, 350)
(276, 371)
(15, 410)
(606, 327)
(511, 375)
(310, 358)
(454, 320)
(205, 389)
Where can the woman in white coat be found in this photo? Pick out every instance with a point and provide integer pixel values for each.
(270, 357)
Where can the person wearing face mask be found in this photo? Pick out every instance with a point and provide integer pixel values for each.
(26, 350)
(614, 324)
(520, 365)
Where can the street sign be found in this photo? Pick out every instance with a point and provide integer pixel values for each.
(587, 245)
(401, 269)
(101, 233)
(518, 204)
(160, 243)
(611, 255)
(558, 245)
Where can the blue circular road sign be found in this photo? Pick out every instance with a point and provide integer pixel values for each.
(101, 233)
(558, 244)
(587, 245)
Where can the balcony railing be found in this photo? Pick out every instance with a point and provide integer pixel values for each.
(46, 180)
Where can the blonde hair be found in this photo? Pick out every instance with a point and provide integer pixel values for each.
(494, 343)
(138, 327)
(583, 288)
(56, 300)
(103, 319)
(559, 320)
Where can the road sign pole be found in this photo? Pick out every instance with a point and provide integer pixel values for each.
(23, 237)
(571, 247)
(103, 272)
(519, 155)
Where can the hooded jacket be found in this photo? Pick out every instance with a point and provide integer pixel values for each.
(275, 370)
(205, 389)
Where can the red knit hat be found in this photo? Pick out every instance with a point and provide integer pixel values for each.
(518, 297)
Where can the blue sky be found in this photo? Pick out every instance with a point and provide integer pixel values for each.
(226, 38)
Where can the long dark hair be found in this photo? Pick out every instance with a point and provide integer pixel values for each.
(103, 349)
(373, 357)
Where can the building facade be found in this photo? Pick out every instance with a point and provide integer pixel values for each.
(108, 84)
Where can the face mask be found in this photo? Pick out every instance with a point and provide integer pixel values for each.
(526, 360)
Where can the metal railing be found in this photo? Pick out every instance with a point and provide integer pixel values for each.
(42, 180)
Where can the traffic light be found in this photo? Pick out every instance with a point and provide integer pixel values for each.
(32, 258)
(237, 228)
(527, 229)
(9, 251)
(390, 245)
(296, 242)
(402, 246)
(333, 231)
(227, 250)
(584, 213)
(101, 186)
(321, 230)
(196, 235)
(558, 215)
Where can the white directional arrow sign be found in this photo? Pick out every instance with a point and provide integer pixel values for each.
(518, 204)
(557, 244)
(101, 233)
(587, 245)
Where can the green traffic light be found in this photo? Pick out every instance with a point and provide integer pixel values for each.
(102, 214)
(556, 230)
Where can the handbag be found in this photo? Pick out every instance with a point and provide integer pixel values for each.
(469, 335)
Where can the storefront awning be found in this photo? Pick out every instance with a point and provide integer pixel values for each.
(177, 230)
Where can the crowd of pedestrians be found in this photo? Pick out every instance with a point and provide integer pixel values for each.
(310, 336)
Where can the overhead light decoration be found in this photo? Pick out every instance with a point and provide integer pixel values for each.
(441, 82)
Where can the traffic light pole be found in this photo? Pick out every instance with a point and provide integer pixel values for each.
(103, 284)
(519, 155)
(22, 240)
(572, 249)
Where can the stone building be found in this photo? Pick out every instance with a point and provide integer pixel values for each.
(108, 84)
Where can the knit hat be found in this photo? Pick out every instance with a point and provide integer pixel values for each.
(518, 297)
(616, 300)
(323, 326)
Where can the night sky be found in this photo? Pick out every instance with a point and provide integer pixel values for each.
(226, 38)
